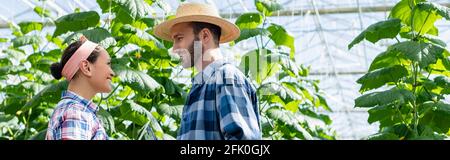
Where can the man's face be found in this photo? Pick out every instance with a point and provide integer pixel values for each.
(186, 44)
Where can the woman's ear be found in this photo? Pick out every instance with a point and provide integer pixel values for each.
(85, 68)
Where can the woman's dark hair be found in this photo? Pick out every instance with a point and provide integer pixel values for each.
(56, 68)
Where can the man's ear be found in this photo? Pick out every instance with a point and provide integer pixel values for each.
(85, 68)
(205, 35)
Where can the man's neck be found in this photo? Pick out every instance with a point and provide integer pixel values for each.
(208, 57)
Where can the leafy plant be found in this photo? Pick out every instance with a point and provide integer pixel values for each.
(416, 71)
(145, 98)
(288, 99)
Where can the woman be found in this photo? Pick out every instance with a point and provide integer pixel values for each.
(86, 66)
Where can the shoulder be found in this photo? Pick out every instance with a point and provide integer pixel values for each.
(230, 72)
(71, 109)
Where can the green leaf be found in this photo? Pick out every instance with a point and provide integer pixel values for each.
(438, 116)
(97, 35)
(444, 83)
(292, 106)
(135, 9)
(380, 30)
(387, 59)
(384, 136)
(107, 120)
(394, 95)
(135, 113)
(288, 118)
(259, 65)
(249, 20)
(281, 37)
(76, 22)
(172, 111)
(323, 102)
(27, 27)
(137, 80)
(8, 120)
(385, 114)
(267, 7)
(423, 53)
(253, 32)
(2, 40)
(50, 94)
(140, 37)
(41, 11)
(26, 40)
(434, 7)
(424, 21)
(403, 10)
(326, 119)
(380, 77)
(15, 29)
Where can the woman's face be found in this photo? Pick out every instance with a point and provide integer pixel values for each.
(102, 73)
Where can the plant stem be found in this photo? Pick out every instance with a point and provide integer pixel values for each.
(424, 22)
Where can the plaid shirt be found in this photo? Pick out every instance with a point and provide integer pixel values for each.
(222, 104)
(75, 118)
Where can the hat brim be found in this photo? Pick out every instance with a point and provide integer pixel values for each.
(229, 31)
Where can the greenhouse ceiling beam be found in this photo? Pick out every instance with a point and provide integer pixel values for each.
(298, 12)
(323, 11)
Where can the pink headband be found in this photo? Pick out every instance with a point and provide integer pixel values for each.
(73, 64)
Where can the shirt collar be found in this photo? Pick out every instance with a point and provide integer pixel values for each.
(87, 103)
(209, 70)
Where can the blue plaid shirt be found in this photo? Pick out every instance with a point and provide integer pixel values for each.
(222, 105)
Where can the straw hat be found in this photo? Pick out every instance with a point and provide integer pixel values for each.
(196, 12)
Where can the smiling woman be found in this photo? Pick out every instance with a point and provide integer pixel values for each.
(87, 68)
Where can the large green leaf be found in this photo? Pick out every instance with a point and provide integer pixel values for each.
(385, 114)
(251, 32)
(50, 94)
(439, 9)
(249, 20)
(137, 80)
(403, 10)
(325, 118)
(380, 30)
(437, 116)
(267, 7)
(259, 65)
(43, 60)
(107, 120)
(27, 27)
(135, 9)
(424, 21)
(134, 112)
(140, 116)
(423, 53)
(139, 37)
(380, 77)
(76, 22)
(172, 111)
(394, 95)
(287, 118)
(387, 59)
(26, 40)
(280, 36)
(97, 35)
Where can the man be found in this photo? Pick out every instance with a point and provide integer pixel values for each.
(222, 103)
